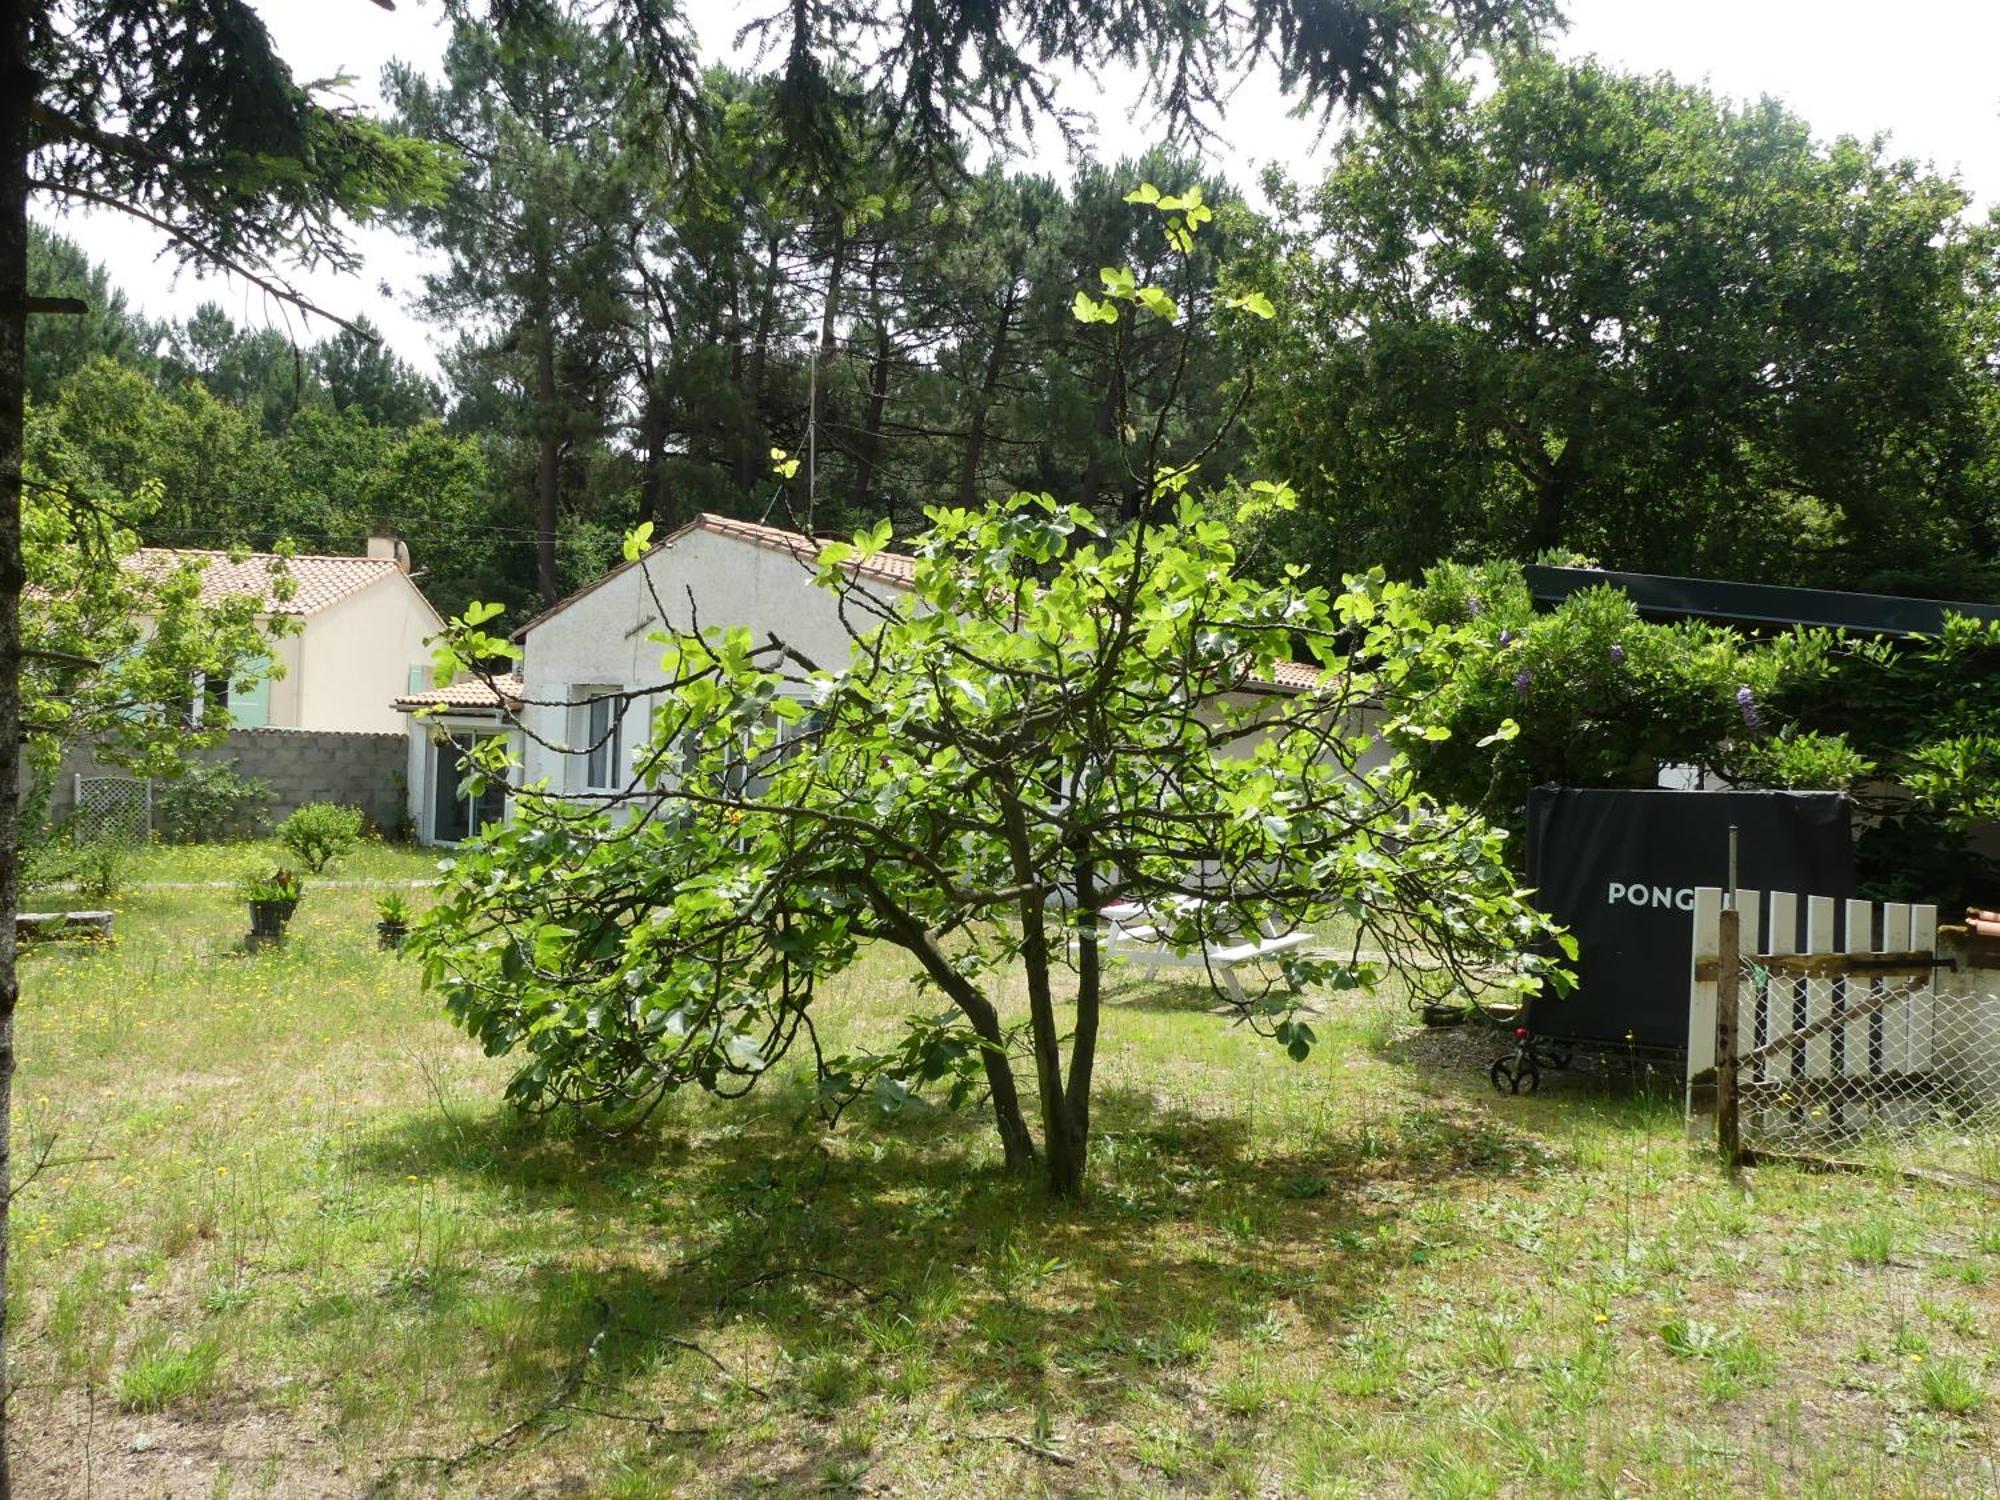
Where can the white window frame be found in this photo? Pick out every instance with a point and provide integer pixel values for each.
(434, 752)
(600, 714)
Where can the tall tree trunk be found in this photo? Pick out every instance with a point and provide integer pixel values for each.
(869, 461)
(1089, 997)
(547, 471)
(982, 404)
(869, 456)
(729, 437)
(657, 506)
(829, 311)
(750, 447)
(1016, 1141)
(17, 89)
(1552, 493)
(1551, 509)
(1107, 426)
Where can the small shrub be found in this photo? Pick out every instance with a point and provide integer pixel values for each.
(102, 868)
(47, 855)
(160, 1374)
(209, 802)
(1949, 1386)
(320, 833)
(392, 909)
(1803, 759)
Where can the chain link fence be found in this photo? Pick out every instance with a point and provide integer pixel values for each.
(1891, 1058)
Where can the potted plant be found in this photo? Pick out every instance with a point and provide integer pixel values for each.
(273, 898)
(392, 920)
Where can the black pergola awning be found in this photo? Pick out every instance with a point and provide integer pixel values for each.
(1755, 605)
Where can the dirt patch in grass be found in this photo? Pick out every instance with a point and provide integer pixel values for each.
(228, 1445)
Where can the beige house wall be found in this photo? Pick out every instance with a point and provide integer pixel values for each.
(354, 658)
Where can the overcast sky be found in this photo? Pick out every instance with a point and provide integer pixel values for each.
(1922, 73)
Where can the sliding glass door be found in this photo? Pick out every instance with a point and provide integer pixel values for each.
(456, 815)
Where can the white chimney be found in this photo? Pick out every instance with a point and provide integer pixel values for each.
(389, 549)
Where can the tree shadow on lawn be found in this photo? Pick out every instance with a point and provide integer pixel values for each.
(824, 1270)
(1168, 996)
(1187, 991)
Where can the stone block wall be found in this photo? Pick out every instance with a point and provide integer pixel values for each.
(298, 765)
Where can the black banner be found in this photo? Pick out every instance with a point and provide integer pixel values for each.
(1619, 868)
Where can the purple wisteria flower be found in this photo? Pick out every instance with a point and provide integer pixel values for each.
(1473, 607)
(1522, 680)
(1746, 705)
(1617, 652)
(1506, 637)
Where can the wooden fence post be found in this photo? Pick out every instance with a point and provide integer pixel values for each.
(1728, 1134)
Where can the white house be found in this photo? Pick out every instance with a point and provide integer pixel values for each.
(714, 572)
(363, 628)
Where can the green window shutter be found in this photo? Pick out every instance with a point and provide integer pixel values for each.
(420, 678)
(252, 709)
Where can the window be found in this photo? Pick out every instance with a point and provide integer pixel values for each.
(245, 699)
(601, 734)
(792, 735)
(456, 815)
(742, 773)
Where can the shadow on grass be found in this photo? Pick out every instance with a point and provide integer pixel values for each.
(895, 1254)
(1639, 1085)
(1147, 990)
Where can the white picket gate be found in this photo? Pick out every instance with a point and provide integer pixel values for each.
(1846, 1023)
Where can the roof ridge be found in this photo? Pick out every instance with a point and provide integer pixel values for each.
(339, 557)
(715, 521)
(317, 581)
(757, 533)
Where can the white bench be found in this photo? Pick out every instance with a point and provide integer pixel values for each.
(1135, 937)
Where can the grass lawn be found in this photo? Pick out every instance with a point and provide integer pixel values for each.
(372, 860)
(290, 1243)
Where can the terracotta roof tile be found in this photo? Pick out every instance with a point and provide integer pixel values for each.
(317, 581)
(1294, 676)
(467, 692)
